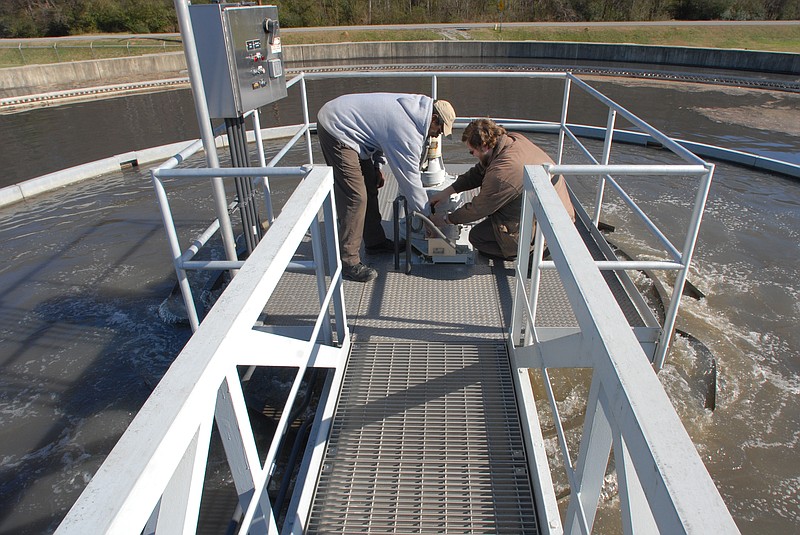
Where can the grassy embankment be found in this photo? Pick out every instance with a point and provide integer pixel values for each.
(756, 37)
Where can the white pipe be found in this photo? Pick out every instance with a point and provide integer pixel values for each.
(262, 161)
(434, 228)
(204, 122)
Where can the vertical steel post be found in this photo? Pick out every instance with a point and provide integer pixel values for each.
(564, 110)
(204, 122)
(593, 455)
(536, 277)
(262, 162)
(175, 249)
(334, 265)
(396, 226)
(686, 260)
(319, 269)
(306, 121)
(612, 117)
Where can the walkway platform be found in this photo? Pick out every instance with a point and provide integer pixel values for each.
(426, 437)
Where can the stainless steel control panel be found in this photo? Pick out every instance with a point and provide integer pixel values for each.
(241, 60)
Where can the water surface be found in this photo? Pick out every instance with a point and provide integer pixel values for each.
(86, 268)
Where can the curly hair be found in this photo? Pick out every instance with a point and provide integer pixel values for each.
(482, 132)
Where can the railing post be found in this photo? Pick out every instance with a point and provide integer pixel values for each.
(634, 509)
(564, 112)
(612, 116)
(175, 249)
(262, 160)
(319, 265)
(592, 462)
(241, 452)
(334, 266)
(522, 266)
(178, 510)
(306, 118)
(686, 260)
(206, 133)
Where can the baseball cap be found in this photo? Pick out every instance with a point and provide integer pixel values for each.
(446, 113)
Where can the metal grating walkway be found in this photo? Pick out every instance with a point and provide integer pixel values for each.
(426, 439)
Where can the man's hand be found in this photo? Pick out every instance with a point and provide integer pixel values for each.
(438, 198)
(379, 179)
(438, 219)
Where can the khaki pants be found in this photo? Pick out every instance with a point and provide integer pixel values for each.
(483, 239)
(355, 190)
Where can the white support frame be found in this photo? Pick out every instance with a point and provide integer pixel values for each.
(153, 478)
(664, 485)
(182, 259)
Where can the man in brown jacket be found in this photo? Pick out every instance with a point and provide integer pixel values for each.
(501, 159)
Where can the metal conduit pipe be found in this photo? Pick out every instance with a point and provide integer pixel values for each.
(237, 144)
(300, 440)
(252, 206)
(398, 202)
(240, 193)
(250, 222)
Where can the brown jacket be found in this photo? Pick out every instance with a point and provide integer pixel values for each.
(500, 197)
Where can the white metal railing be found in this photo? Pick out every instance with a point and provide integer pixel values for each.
(183, 259)
(663, 485)
(157, 468)
(695, 167)
(208, 362)
(679, 257)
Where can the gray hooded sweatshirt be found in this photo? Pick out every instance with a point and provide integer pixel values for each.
(384, 127)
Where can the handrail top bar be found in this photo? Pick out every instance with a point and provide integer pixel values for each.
(649, 169)
(666, 141)
(659, 136)
(614, 265)
(659, 440)
(115, 500)
(438, 74)
(228, 172)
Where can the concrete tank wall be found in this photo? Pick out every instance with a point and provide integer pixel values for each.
(17, 81)
(748, 60)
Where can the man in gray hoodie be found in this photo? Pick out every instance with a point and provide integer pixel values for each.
(360, 133)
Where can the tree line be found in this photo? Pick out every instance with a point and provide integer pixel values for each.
(51, 18)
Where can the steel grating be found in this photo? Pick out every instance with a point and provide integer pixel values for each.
(426, 439)
(434, 303)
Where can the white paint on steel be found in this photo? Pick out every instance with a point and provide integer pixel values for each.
(154, 470)
(162, 452)
(626, 400)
